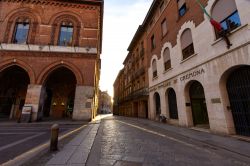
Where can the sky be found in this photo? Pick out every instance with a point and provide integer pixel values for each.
(121, 20)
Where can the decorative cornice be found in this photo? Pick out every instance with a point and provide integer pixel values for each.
(85, 4)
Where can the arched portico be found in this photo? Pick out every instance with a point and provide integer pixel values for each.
(59, 93)
(14, 81)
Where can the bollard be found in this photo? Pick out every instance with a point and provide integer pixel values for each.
(54, 137)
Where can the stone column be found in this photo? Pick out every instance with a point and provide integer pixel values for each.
(83, 104)
(33, 99)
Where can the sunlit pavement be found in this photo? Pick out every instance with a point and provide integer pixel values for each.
(133, 142)
(16, 138)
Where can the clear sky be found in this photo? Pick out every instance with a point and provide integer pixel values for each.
(121, 20)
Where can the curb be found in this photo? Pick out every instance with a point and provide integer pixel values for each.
(23, 158)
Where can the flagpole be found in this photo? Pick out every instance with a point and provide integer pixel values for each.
(203, 8)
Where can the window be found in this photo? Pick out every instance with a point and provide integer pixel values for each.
(154, 67)
(21, 32)
(164, 27)
(153, 45)
(162, 5)
(142, 49)
(187, 44)
(166, 59)
(225, 12)
(182, 7)
(66, 34)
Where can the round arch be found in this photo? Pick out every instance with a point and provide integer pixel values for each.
(64, 14)
(69, 17)
(23, 65)
(45, 73)
(196, 106)
(12, 17)
(171, 103)
(235, 95)
(157, 105)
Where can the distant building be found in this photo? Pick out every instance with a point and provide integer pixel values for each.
(50, 58)
(195, 77)
(132, 81)
(105, 103)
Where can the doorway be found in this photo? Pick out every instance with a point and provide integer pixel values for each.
(198, 105)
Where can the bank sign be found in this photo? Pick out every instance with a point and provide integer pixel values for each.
(192, 74)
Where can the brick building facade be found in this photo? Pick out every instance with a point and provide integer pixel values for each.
(132, 81)
(50, 57)
(105, 103)
(196, 77)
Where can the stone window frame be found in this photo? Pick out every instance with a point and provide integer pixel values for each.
(11, 27)
(164, 28)
(56, 28)
(231, 10)
(154, 68)
(187, 49)
(166, 59)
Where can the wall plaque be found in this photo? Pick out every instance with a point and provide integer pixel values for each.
(26, 114)
(215, 100)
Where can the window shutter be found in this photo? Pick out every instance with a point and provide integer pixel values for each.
(166, 55)
(222, 9)
(186, 38)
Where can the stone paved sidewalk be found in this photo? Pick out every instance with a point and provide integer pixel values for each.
(76, 152)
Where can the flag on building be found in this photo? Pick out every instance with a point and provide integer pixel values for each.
(217, 26)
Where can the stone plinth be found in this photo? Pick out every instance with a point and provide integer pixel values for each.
(83, 105)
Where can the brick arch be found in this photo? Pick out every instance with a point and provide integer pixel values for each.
(56, 23)
(16, 62)
(12, 17)
(50, 68)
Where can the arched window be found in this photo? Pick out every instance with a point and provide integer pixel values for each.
(66, 34)
(187, 45)
(166, 59)
(154, 66)
(225, 12)
(21, 31)
(66, 31)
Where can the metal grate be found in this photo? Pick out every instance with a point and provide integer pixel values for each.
(238, 87)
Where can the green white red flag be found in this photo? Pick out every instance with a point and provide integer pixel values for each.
(215, 24)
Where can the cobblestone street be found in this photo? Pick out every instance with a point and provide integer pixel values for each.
(132, 142)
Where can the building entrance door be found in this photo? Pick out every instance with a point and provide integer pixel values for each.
(60, 92)
(238, 87)
(198, 104)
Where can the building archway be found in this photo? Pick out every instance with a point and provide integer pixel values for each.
(238, 88)
(14, 82)
(59, 95)
(157, 103)
(198, 104)
(172, 103)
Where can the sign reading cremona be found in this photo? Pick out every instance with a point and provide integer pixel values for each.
(192, 74)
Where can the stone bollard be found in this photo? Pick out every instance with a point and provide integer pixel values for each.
(54, 137)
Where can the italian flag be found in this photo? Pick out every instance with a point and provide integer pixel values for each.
(215, 24)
